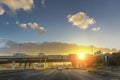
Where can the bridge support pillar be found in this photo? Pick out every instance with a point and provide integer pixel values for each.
(29, 65)
(45, 65)
(20, 65)
(13, 65)
(50, 65)
(75, 64)
(25, 65)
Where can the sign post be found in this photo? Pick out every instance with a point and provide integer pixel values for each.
(106, 61)
(13, 65)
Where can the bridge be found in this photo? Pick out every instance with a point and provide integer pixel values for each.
(33, 59)
(9, 59)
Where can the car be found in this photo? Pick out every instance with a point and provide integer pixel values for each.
(60, 68)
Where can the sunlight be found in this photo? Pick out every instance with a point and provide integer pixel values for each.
(82, 56)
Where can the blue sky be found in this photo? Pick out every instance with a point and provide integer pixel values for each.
(97, 22)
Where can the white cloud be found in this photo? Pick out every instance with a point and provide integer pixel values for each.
(34, 26)
(43, 2)
(7, 22)
(95, 29)
(81, 20)
(2, 42)
(17, 22)
(23, 25)
(1, 39)
(2, 11)
(14, 5)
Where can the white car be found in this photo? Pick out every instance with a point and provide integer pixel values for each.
(60, 68)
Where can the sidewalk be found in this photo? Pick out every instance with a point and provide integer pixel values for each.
(105, 73)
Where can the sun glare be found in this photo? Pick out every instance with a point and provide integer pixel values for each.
(82, 56)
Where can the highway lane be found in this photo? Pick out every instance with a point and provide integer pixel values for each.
(54, 74)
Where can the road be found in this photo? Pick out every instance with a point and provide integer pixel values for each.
(54, 74)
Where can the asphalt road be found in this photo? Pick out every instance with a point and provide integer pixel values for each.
(54, 74)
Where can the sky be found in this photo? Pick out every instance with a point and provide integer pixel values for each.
(82, 22)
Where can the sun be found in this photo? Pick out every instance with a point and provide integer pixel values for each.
(82, 56)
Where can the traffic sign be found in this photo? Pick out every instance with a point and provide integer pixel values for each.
(106, 58)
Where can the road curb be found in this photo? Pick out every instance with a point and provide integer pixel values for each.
(113, 74)
(105, 73)
(13, 71)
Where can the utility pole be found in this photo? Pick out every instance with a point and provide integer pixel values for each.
(92, 49)
(19, 51)
(41, 48)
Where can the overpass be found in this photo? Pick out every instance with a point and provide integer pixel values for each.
(28, 60)
(9, 59)
(33, 59)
